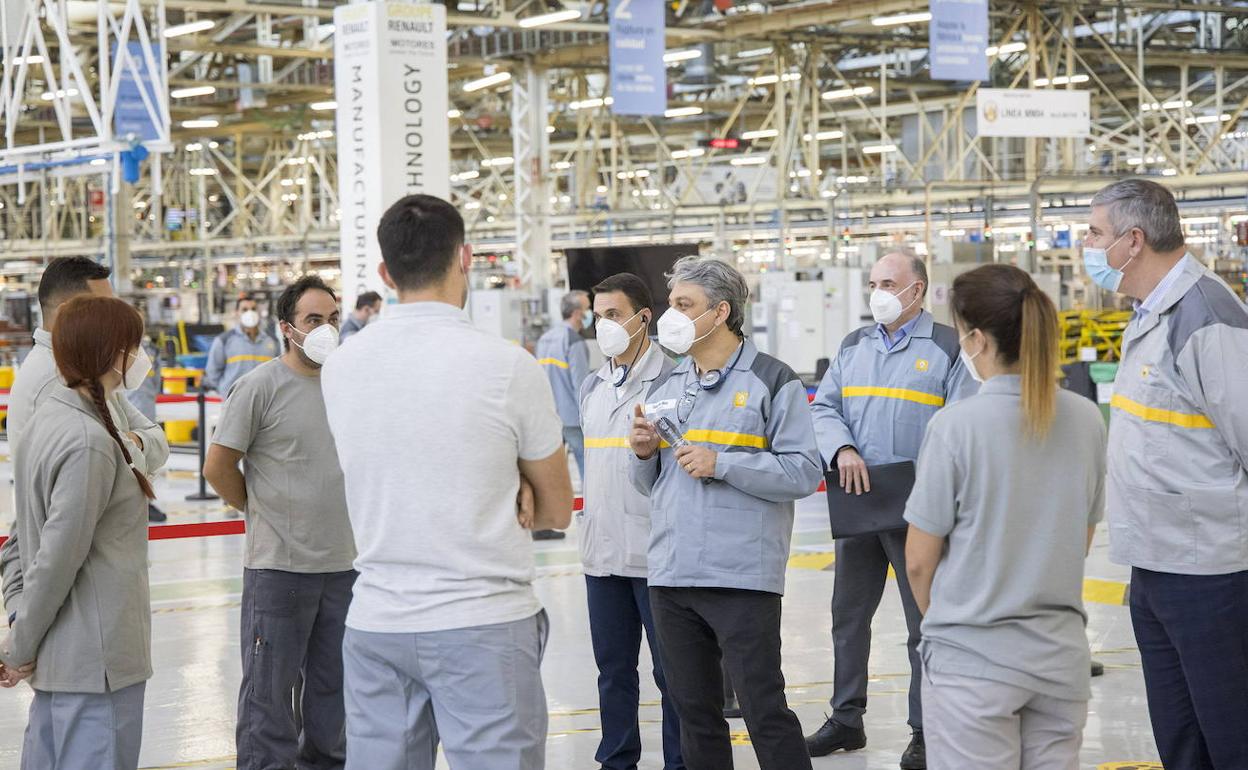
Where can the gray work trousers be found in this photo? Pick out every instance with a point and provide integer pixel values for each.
(476, 690)
(85, 731)
(857, 587)
(291, 631)
(979, 724)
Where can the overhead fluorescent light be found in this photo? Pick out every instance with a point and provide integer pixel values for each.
(591, 104)
(878, 149)
(1005, 50)
(771, 80)
(754, 53)
(824, 136)
(99, 161)
(190, 28)
(497, 79)
(952, 233)
(562, 165)
(693, 152)
(60, 93)
(1061, 80)
(672, 57)
(1202, 119)
(550, 129)
(651, 193)
(901, 18)
(846, 93)
(194, 147)
(749, 160)
(682, 112)
(201, 123)
(554, 17)
(32, 59)
(205, 171)
(323, 106)
(640, 173)
(193, 91)
(505, 160)
(452, 114)
(464, 176)
(765, 133)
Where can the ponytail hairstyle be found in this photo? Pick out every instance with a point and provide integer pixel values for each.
(1005, 304)
(88, 335)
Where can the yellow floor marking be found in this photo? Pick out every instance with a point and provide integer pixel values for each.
(1104, 591)
(740, 738)
(818, 560)
(1130, 766)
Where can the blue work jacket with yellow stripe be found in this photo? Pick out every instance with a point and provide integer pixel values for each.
(1177, 493)
(879, 400)
(564, 356)
(735, 531)
(233, 354)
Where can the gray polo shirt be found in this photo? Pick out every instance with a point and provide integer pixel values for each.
(1007, 598)
(296, 503)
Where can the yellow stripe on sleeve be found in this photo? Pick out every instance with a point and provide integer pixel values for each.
(1152, 414)
(553, 362)
(237, 359)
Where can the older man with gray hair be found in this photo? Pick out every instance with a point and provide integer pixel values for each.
(1177, 493)
(884, 385)
(721, 516)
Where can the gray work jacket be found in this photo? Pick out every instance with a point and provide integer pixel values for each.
(1177, 495)
(564, 356)
(614, 527)
(85, 614)
(735, 531)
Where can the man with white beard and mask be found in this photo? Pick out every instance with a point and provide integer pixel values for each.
(615, 523)
(872, 408)
(298, 574)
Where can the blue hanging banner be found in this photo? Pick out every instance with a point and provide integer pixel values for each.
(638, 74)
(130, 116)
(958, 39)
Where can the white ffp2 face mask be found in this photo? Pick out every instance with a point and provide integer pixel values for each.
(969, 361)
(613, 338)
(319, 343)
(678, 332)
(136, 371)
(886, 308)
(250, 319)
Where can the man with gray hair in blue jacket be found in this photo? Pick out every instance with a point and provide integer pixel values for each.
(739, 449)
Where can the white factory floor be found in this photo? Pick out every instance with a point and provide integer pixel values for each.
(195, 596)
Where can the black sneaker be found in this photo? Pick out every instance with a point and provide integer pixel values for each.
(1098, 668)
(155, 515)
(548, 534)
(834, 736)
(915, 757)
(732, 708)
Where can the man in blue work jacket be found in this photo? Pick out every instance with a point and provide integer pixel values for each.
(721, 516)
(239, 350)
(872, 408)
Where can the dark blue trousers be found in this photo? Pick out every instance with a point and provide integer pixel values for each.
(619, 608)
(1192, 631)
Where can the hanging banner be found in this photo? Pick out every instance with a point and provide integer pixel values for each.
(1035, 113)
(957, 39)
(131, 117)
(638, 74)
(393, 134)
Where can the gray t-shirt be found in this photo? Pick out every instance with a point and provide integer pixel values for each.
(1007, 598)
(296, 502)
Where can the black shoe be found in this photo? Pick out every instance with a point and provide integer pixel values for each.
(915, 757)
(1098, 668)
(155, 515)
(834, 736)
(548, 534)
(732, 708)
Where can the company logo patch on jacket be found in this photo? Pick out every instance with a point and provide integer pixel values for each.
(741, 398)
(922, 365)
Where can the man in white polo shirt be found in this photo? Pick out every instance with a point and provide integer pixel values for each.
(436, 424)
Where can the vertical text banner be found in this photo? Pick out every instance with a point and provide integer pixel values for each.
(958, 38)
(393, 134)
(637, 40)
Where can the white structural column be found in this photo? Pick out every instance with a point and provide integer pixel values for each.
(529, 99)
(393, 136)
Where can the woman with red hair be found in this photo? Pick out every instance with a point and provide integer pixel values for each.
(82, 631)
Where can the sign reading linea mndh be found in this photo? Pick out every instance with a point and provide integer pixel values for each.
(393, 134)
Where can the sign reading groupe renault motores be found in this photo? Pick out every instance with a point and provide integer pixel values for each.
(957, 39)
(1034, 113)
(393, 134)
(637, 40)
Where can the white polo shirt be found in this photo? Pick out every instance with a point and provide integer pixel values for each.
(430, 416)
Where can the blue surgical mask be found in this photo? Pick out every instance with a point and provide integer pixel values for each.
(1096, 262)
